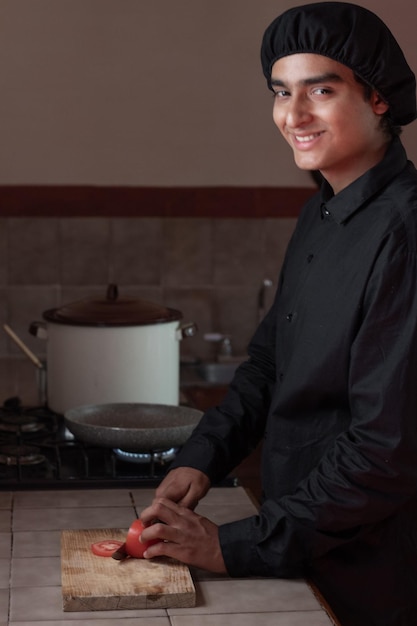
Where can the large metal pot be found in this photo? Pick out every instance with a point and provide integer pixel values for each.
(111, 350)
(133, 427)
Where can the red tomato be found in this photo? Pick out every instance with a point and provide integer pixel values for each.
(133, 546)
(106, 547)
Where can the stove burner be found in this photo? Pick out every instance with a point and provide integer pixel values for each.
(20, 455)
(38, 451)
(140, 457)
(20, 423)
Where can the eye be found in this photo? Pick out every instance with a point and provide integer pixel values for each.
(321, 91)
(281, 93)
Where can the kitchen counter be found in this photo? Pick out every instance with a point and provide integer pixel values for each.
(30, 584)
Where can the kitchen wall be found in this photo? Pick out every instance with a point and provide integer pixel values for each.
(127, 92)
(143, 94)
(210, 269)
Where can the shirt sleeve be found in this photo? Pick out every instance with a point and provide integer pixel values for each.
(228, 433)
(369, 472)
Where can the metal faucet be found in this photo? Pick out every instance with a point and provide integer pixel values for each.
(225, 348)
(224, 343)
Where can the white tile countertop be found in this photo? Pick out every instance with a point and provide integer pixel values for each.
(30, 567)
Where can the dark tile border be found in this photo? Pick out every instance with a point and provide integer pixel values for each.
(100, 201)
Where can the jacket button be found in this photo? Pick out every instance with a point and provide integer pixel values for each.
(289, 317)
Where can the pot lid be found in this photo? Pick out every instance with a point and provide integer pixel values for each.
(112, 311)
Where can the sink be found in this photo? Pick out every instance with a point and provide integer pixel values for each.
(217, 373)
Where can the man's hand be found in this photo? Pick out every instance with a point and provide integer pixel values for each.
(185, 536)
(184, 486)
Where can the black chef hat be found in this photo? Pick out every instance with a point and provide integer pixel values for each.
(351, 35)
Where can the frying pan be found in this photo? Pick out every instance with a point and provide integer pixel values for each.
(132, 427)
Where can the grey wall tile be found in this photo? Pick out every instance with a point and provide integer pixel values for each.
(26, 304)
(235, 314)
(4, 313)
(136, 251)
(75, 293)
(146, 292)
(187, 249)
(238, 251)
(33, 251)
(277, 236)
(27, 387)
(85, 249)
(8, 378)
(3, 251)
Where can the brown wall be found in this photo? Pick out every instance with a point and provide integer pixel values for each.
(128, 92)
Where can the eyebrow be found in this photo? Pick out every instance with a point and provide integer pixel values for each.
(328, 77)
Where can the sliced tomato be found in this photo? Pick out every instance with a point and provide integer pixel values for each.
(133, 545)
(106, 547)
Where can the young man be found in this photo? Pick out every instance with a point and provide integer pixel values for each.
(330, 383)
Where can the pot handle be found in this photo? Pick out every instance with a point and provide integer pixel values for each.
(186, 330)
(38, 329)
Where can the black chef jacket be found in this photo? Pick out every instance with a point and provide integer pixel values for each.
(331, 387)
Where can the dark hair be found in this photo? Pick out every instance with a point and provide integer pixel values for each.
(387, 125)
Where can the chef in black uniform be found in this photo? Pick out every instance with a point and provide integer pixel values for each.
(330, 384)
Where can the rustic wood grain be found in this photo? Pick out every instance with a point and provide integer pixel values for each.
(94, 583)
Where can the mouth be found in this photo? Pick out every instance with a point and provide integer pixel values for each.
(306, 138)
(303, 139)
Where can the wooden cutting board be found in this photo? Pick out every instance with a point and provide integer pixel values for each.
(96, 583)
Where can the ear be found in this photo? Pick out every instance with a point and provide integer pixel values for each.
(379, 106)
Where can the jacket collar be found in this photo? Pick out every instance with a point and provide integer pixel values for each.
(342, 205)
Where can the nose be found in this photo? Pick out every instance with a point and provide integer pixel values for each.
(297, 112)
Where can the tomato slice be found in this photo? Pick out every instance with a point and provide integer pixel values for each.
(106, 547)
(133, 545)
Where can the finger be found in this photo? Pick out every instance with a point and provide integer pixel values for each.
(174, 523)
(165, 548)
(155, 532)
(192, 551)
(188, 502)
(189, 499)
(147, 515)
(161, 509)
(168, 491)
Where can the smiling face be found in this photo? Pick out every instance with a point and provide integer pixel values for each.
(321, 111)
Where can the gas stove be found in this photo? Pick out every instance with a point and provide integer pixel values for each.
(38, 451)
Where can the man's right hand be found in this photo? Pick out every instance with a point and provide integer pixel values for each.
(184, 485)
